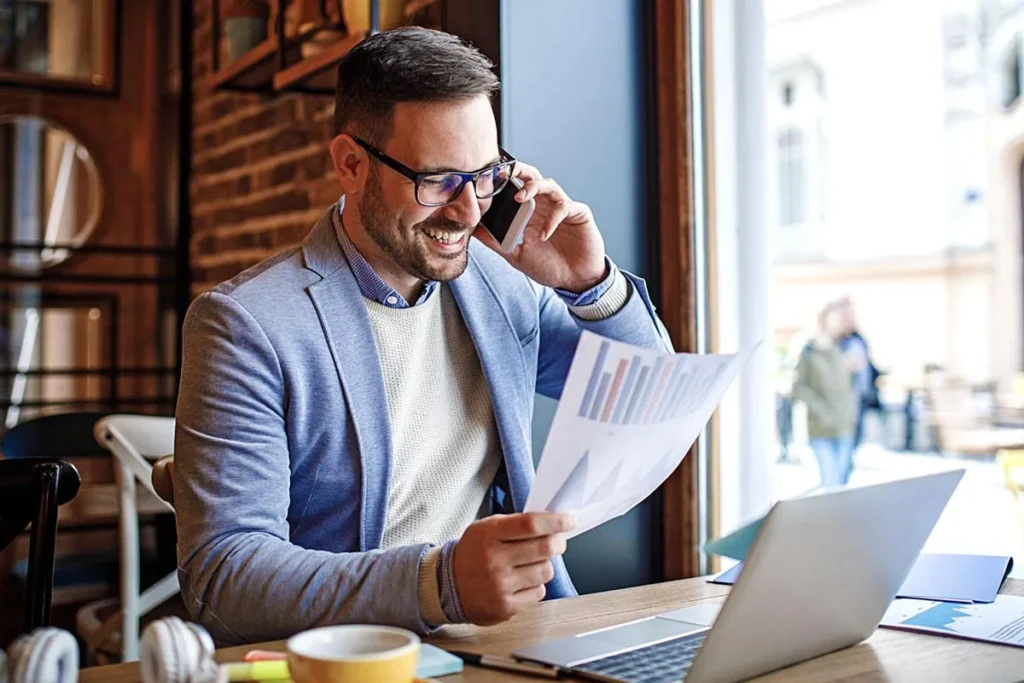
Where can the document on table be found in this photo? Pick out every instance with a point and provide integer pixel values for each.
(626, 418)
(1000, 622)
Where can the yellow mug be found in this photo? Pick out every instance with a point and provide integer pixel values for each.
(354, 654)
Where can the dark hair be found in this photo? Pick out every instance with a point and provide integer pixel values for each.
(410, 64)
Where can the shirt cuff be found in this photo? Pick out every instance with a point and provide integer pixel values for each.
(610, 303)
(429, 590)
(594, 293)
(450, 603)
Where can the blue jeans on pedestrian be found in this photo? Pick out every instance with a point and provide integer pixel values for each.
(835, 456)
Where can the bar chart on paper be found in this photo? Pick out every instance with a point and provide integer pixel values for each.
(626, 418)
(630, 391)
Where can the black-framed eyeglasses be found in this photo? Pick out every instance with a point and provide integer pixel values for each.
(437, 188)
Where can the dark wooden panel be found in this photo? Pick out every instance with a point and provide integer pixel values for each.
(676, 257)
(479, 22)
(123, 134)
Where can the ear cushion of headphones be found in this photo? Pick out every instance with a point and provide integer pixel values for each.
(158, 656)
(47, 655)
(3, 667)
(175, 652)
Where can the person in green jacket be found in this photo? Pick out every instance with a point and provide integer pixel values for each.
(824, 384)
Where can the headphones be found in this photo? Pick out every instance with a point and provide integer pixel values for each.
(172, 650)
(47, 655)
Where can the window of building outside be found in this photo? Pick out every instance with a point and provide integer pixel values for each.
(796, 118)
(893, 201)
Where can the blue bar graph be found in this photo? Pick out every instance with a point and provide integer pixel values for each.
(645, 400)
(671, 402)
(624, 397)
(641, 385)
(627, 391)
(659, 390)
(602, 389)
(595, 376)
(674, 386)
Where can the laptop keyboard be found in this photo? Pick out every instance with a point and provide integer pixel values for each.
(661, 663)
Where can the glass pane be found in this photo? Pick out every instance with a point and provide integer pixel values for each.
(49, 190)
(66, 39)
(891, 288)
(52, 358)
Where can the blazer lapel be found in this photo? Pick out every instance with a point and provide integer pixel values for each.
(498, 348)
(346, 325)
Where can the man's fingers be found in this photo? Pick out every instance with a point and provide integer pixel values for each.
(542, 186)
(530, 596)
(525, 525)
(526, 173)
(530, 551)
(529, 576)
(558, 214)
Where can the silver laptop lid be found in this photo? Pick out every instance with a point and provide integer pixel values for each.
(820, 575)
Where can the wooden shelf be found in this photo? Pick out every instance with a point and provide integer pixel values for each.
(254, 71)
(315, 74)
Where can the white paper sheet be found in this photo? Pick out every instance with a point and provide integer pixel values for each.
(1001, 621)
(626, 418)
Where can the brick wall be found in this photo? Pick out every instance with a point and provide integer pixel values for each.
(260, 170)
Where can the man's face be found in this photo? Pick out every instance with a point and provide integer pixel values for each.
(833, 324)
(429, 243)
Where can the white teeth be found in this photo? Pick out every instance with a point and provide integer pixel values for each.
(444, 237)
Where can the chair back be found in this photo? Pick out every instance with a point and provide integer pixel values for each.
(137, 441)
(65, 435)
(148, 435)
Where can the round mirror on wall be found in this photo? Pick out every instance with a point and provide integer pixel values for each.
(50, 191)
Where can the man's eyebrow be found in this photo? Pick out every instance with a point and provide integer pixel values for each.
(450, 169)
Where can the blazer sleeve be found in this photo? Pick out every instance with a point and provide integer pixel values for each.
(240, 575)
(635, 323)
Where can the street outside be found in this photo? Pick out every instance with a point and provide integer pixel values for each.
(982, 516)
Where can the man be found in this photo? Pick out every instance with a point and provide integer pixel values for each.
(353, 434)
(823, 384)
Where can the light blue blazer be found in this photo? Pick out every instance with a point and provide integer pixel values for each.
(283, 446)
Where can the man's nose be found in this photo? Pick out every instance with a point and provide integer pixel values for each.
(465, 208)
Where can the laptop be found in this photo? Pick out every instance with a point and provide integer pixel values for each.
(818, 578)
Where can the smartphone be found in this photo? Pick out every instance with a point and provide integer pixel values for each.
(506, 218)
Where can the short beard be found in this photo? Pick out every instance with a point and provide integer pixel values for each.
(401, 245)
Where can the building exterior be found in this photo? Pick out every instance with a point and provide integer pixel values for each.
(894, 172)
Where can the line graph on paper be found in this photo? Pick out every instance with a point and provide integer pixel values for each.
(626, 419)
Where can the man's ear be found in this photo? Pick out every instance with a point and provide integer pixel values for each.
(351, 163)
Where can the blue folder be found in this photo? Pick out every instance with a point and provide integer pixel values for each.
(939, 576)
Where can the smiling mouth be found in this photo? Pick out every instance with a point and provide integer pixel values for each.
(446, 237)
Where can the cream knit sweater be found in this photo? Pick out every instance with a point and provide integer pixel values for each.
(444, 440)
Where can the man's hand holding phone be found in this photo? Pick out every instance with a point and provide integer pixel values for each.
(561, 246)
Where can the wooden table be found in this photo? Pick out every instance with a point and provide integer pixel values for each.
(888, 655)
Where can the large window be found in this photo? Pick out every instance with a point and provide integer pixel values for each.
(876, 251)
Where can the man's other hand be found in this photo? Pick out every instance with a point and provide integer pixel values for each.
(502, 563)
